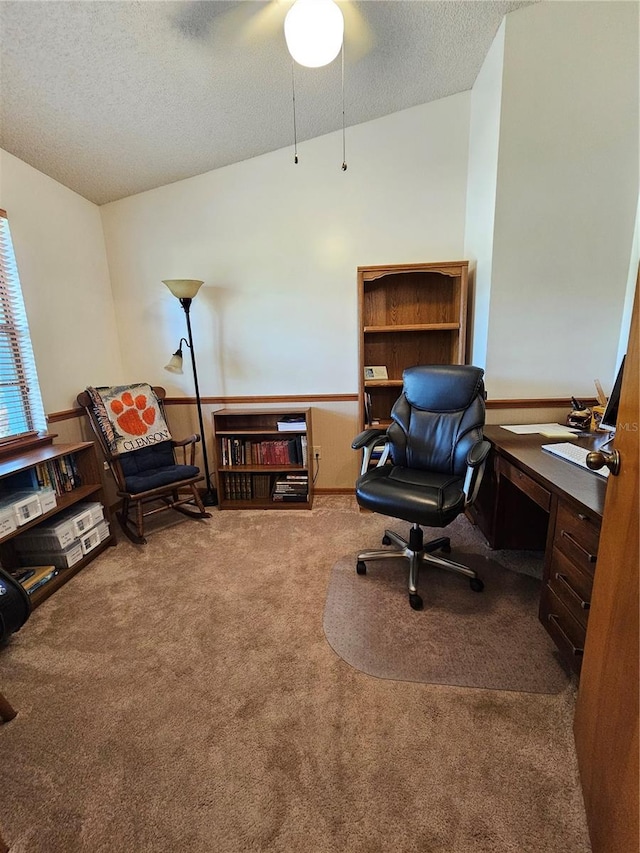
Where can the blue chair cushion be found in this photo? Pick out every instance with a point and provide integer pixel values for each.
(152, 467)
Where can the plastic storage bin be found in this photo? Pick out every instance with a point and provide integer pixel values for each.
(7, 521)
(92, 538)
(24, 505)
(58, 535)
(47, 499)
(61, 559)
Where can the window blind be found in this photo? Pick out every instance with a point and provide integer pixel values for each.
(21, 409)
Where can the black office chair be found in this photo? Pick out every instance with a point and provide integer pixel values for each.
(431, 465)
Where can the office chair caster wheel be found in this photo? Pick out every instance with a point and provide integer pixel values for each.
(386, 540)
(415, 601)
(476, 584)
(361, 568)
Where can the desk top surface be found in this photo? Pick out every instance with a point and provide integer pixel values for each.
(563, 478)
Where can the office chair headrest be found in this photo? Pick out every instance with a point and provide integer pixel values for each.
(442, 387)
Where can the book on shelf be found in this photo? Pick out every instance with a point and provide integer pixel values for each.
(377, 451)
(261, 485)
(59, 474)
(292, 423)
(291, 498)
(280, 451)
(238, 487)
(34, 577)
(291, 487)
(367, 407)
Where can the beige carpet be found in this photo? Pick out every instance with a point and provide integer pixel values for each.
(491, 639)
(182, 697)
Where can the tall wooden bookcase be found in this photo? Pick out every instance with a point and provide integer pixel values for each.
(410, 314)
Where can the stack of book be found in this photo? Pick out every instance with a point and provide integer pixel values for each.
(291, 488)
(35, 577)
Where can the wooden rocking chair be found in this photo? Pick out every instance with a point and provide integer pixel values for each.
(162, 475)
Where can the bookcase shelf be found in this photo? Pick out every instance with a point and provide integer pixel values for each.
(410, 314)
(252, 455)
(90, 488)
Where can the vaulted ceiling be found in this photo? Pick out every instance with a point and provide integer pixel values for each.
(113, 98)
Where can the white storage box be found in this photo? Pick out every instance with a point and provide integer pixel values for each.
(96, 509)
(7, 521)
(57, 535)
(47, 500)
(62, 559)
(103, 529)
(80, 519)
(84, 516)
(25, 506)
(92, 538)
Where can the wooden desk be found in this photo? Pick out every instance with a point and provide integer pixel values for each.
(532, 500)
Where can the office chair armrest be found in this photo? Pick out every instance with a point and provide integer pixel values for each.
(476, 459)
(478, 453)
(367, 441)
(369, 436)
(185, 443)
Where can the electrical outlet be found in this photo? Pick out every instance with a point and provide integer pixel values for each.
(105, 465)
(316, 452)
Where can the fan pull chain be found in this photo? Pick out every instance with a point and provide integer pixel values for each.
(344, 156)
(295, 133)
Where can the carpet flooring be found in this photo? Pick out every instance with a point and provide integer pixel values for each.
(182, 696)
(491, 639)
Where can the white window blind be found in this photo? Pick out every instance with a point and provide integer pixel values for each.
(21, 410)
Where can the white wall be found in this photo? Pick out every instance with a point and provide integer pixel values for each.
(62, 263)
(567, 193)
(484, 141)
(633, 277)
(278, 245)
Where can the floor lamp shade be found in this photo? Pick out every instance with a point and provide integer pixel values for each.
(183, 288)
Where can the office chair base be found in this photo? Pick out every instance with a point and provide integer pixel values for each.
(417, 552)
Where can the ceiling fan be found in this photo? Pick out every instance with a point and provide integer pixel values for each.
(316, 32)
(251, 22)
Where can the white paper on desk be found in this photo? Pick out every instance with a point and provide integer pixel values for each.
(558, 431)
(544, 429)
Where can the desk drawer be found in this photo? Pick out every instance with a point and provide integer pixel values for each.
(571, 586)
(567, 634)
(526, 484)
(577, 535)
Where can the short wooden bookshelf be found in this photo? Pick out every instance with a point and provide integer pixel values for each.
(263, 458)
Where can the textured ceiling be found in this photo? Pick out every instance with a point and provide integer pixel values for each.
(113, 98)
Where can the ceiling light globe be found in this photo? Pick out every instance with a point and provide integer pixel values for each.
(183, 288)
(314, 30)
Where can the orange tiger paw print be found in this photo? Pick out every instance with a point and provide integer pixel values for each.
(134, 416)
